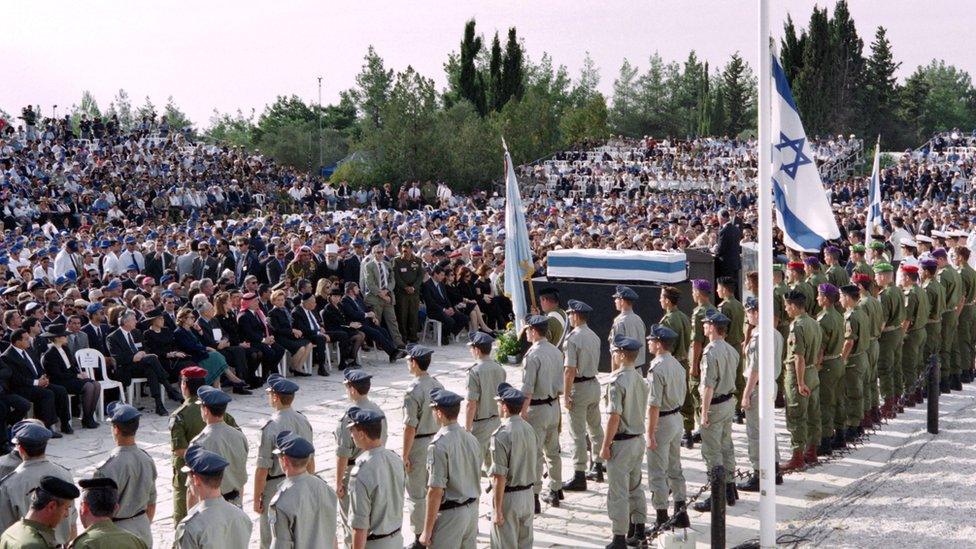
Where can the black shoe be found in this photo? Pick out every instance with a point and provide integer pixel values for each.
(596, 473)
(825, 447)
(578, 484)
(67, 430)
(551, 497)
(688, 441)
(750, 484)
(630, 530)
(638, 538)
(954, 382)
(838, 441)
(89, 423)
(740, 417)
(561, 495)
(161, 410)
(662, 517)
(731, 494)
(417, 545)
(696, 437)
(618, 542)
(538, 506)
(241, 389)
(681, 515)
(173, 394)
(299, 373)
(323, 372)
(703, 506)
(944, 385)
(780, 401)
(55, 434)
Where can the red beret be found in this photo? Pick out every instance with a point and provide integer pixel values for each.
(795, 265)
(193, 372)
(860, 277)
(909, 268)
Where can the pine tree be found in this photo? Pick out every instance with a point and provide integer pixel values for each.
(846, 84)
(736, 92)
(372, 90)
(513, 67)
(811, 87)
(881, 88)
(704, 107)
(471, 82)
(791, 50)
(495, 76)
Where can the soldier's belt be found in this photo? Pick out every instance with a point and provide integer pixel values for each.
(276, 477)
(835, 357)
(425, 435)
(721, 398)
(232, 495)
(890, 329)
(624, 436)
(352, 461)
(120, 519)
(448, 505)
(374, 537)
(485, 418)
(541, 401)
(510, 489)
(582, 379)
(669, 412)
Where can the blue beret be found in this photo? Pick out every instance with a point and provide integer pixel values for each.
(625, 292)
(444, 398)
(93, 308)
(212, 396)
(625, 343)
(510, 395)
(203, 462)
(362, 416)
(281, 385)
(4, 260)
(713, 316)
(751, 303)
(662, 333)
(356, 375)
(165, 278)
(537, 321)
(419, 351)
(130, 240)
(105, 244)
(292, 445)
(480, 338)
(119, 412)
(114, 284)
(30, 433)
(576, 306)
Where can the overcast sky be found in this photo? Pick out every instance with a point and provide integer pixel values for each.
(241, 54)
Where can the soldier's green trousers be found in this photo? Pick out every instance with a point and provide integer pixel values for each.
(688, 408)
(664, 472)
(889, 370)
(912, 353)
(831, 412)
(716, 444)
(933, 341)
(626, 502)
(853, 382)
(407, 307)
(948, 350)
(802, 412)
(740, 381)
(584, 418)
(870, 379)
(965, 346)
(179, 496)
(695, 396)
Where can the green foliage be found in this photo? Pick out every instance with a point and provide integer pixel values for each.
(881, 90)
(513, 68)
(147, 109)
(121, 106)
(585, 123)
(507, 344)
(372, 90)
(176, 119)
(471, 83)
(356, 172)
(738, 96)
(87, 106)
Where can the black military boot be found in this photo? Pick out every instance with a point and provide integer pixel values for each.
(538, 506)
(704, 505)
(578, 484)
(779, 476)
(618, 542)
(596, 473)
(688, 441)
(551, 497)
(681, 515)
(825, 447)
(944, 385)
(662, 517)
(731, 494)
(416, 544)
(955, 383)
(637, 538)
(750, 484)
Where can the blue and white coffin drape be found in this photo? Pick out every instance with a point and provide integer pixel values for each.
(617, 266)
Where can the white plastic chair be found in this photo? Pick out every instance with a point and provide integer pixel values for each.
(91, 361)
(437, 328)
(135, 383)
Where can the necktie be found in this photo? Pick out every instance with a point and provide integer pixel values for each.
(440, 290)
(132, 343)
(162, 259)
(31, 362)
(311, 321)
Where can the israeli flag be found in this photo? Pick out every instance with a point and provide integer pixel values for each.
(874, 196)
(518, 255)
(802, 208)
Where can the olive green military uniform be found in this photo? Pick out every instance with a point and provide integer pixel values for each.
(483, 380)
(872, 308)
(28, 534)
(581, 348)
(514, 450)
(889, 344)
(408, 273)
(810, 292)
(681, 325)
(376, 497)
(948, 351)
(803, 412)
(302, 513)
(626, 396)
(230, 444)
(933, 329)
(719, 365)
(752, 414)
(917, 313)
(863, 268)
(418, 414)
(735, 335)
(15, 495)
(214, 524)
(964, 360)
(668, 388)
(286, 419)
(106, 534)
(815, 279)
(134, 472)
(629, 324)
(346, 448)
(185, 423)
(837, 276)
(782, 326)
(543, 381)
(831, 371)
(558, 326)
(857, 328)
(697, 336)
(454, 465)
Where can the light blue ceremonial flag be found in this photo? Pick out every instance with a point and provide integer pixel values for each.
(874, 196)
(802, 209)
(518, 254)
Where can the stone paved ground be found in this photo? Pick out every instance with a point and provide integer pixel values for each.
(580, 522)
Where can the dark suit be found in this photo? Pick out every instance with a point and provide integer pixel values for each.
(355, 311)
(51, 402)
(350, 268)
(125, 368)
(728, 251)
(157, 264)
(235, 355)
(254, 331)
(436, 301)
(96, 337)
(205, 268)
(247, 265)
(316, 334)
(13, 407)
(275, 270)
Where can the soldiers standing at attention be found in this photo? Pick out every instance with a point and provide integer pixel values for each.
(50, 501)
(358, 384)
(732, 308)
(815, 277)
(454, 466)
(133, 473)
(302, 513)
(623, 444)
(889, 345)
(916, 318)
(831, 370)
(801, 381)
(857, 341)
(948, 352)
(98, 505)
(717, 388)
(223, 440)
(581, 348)
(408, 273)
(936, 297)
(558, 319)
(213, 521)
(750, 396)
(796, 277)
(872, 309)
(375, 484)
(967, 316)
(514, 449)
(185, 423)
(481, 415)
(628, 323)
(701, 293)
(31, 440)
(668, 385)
(269, 474)
(680, 324)
(542, 383)
(419, 427)
(858, 264)
(836, 274)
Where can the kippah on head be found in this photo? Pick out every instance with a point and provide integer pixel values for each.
(851, 290)
(795, 297)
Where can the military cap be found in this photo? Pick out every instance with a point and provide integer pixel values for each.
(94, 308)
(928, 264)
(537, 321)
(36, 284)
(211, 396)
(795, 296)
(577, 306)
(480, 338)
(59, 488)
(713, 316)
(355, 375)
(938, 234)
(509, 395)
(751, 303)
(876, 245)
(858, 248)
(292, 445)
(281, 385)
(119, 412)
(114, 284)
(193, 372)
(832, 250)
(923, 238)
(883, 267)
(442, 398)
(812, 261)
(827, 289)
(93, 483)
(851, 290)
(625, 292)
(701, 285)
(203, 462)
(623, 343)
(419, 351)
(909, 243)
(362, 416)
(29, 433)
(777, 267)
(861, 277)
(909, 268)
(795, 265)
(659, 332)
(940, 253)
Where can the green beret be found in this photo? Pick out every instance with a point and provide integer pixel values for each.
(883, 267)
(777, 267)
(876, 245)
(858, 248)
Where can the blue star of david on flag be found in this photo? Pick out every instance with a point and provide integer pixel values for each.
(799, 160)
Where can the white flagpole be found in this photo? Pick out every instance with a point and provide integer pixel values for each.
(767, 439)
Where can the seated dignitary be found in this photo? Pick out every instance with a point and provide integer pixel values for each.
(99, 505)
(50, 502)
(28, 380)
(212, 521)
(302, 513)
(63, 371)
(131, 361)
